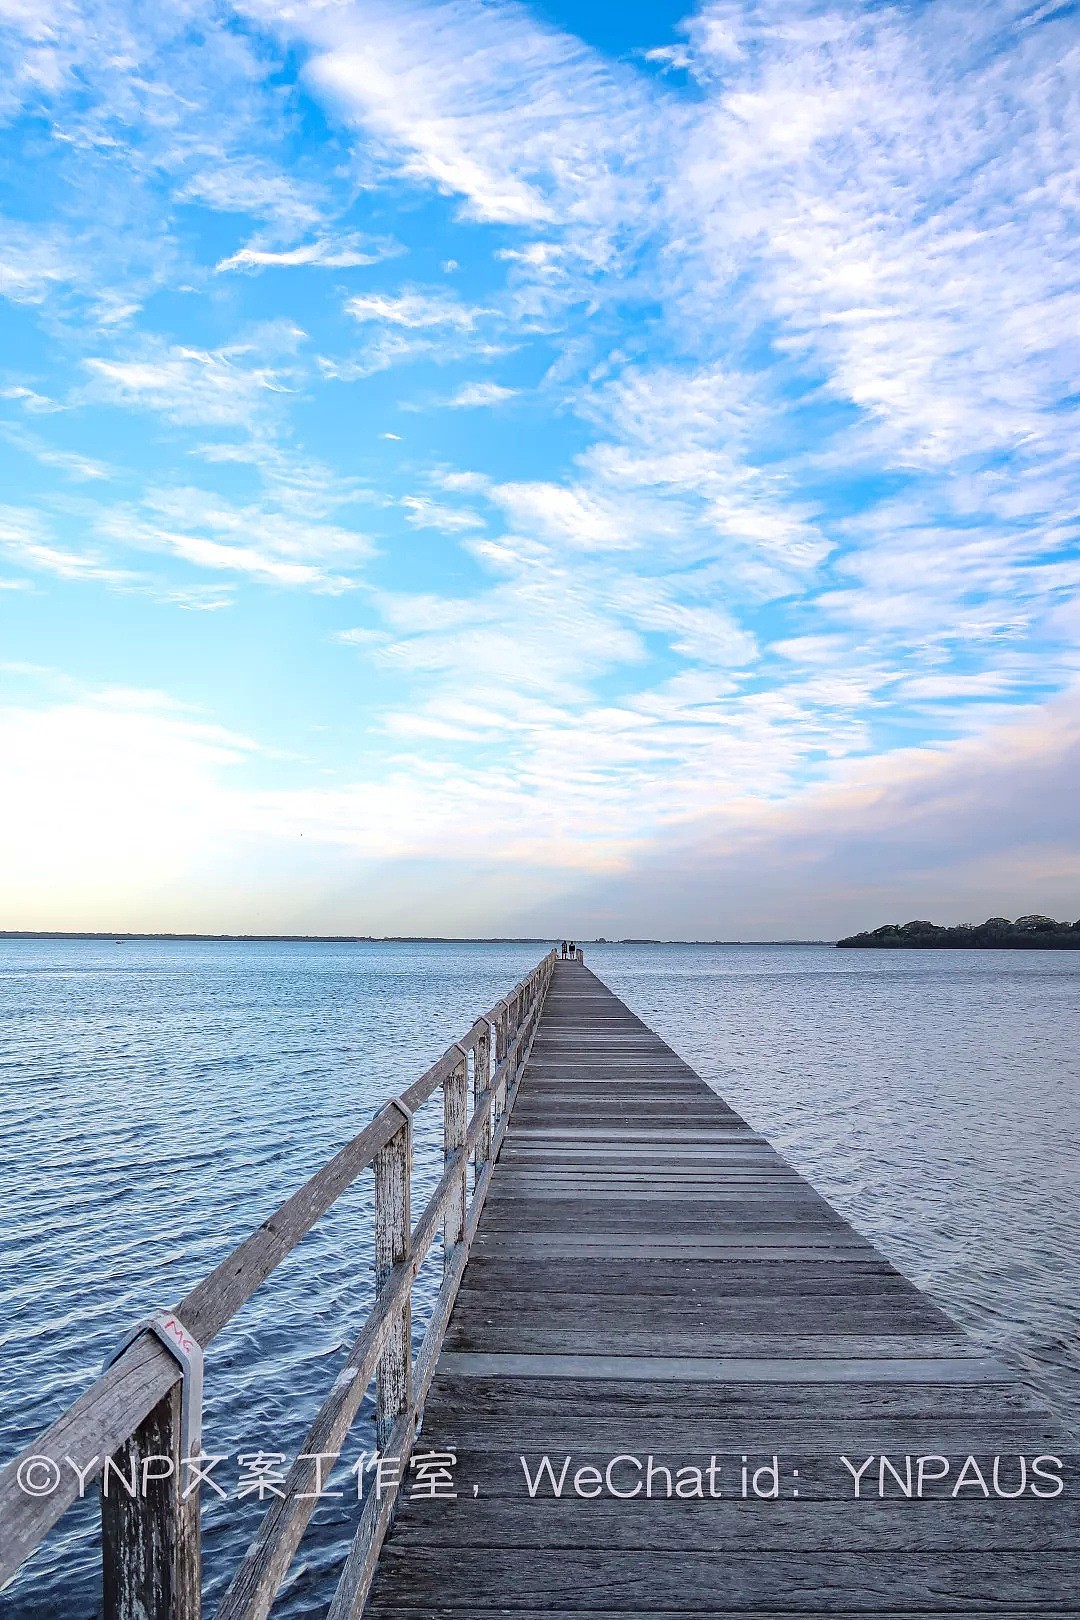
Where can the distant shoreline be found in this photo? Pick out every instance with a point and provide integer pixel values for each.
(1031, 933)
(120, 935)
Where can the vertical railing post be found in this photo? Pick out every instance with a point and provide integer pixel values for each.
(502, 1045)
(520, 1013)
(393, 1233)
(455, 1126)
(525, 1020)
(501, 1016)
(150, 1548)
(481, 1080)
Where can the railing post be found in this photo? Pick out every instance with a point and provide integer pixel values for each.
(513, 1031)
(520, 1017)
(481, 1079)
(150, 1547)
(455, 1126)
(501, 1016)
(393, 1232)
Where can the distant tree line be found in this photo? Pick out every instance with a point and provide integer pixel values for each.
(1032, 933)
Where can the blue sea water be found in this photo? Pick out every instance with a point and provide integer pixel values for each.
(158, 1100)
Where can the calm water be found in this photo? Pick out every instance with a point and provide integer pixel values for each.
(157, 1101)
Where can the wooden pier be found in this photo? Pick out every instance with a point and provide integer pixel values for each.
(651, 1279)
(640, 1290)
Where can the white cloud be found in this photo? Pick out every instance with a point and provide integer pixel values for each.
(272, 545)
(229, 387)
(329, 253)
(412, 325)
(423, 513)
(32, 262)
(71, 462)
(25, 540)
(583, 518)
(30, 400)
(837, 167)
(482, 103)
(257, 563)
(252, 185)
(471, 395)
(415, 310)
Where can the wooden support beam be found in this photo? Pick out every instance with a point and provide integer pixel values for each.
(150, 1541)
(455, 1122)
(393, 1235)
(481, 1080)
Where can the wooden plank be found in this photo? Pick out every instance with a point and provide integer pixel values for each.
(810, 1431)
(572, 1580)
(701, 1527)
(719, 1611)
(736, 1279)
(773, 1246)
(762, 1369)
(510, 1399)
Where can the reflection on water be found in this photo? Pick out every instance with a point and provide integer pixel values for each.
(159, 1099)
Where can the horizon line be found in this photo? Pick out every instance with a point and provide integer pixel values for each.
(120, 934)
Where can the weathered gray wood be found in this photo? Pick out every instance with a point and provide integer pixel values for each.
(455, 1120)
(354, 1585)
(719, 1611)
(252, 1591)
(150, 1543)
(255, 1585)
(650, 1275)
(585, 1580)
(481, 1082)
(215, 1300)
(692, 1526)
(393, 1236)
(683, 1278)
(513, 1399)
(761, 1369)
(95, 1426)
(814, 1429)
(98, 1423)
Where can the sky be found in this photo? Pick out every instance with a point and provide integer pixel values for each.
(470, 467)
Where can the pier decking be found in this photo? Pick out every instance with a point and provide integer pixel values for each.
(650, 1279)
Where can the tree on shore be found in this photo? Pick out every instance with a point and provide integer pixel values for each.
(1034, 932)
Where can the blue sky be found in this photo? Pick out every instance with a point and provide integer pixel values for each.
(478, 467)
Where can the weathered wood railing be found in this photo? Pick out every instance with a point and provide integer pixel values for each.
(151, 1567)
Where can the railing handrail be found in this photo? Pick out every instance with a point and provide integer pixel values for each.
(108, 1415)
